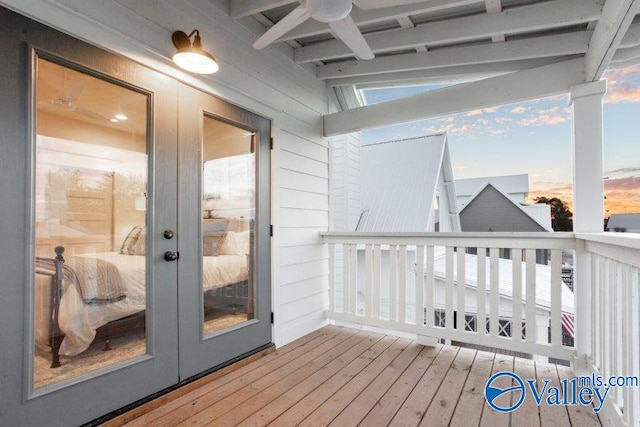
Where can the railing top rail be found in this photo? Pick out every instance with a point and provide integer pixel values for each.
(625, 240)
(489, 239)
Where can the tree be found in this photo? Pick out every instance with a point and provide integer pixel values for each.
(561, 216)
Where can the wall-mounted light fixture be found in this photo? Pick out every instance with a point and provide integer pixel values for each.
(190, 56)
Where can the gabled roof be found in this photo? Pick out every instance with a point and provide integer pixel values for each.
(519, 206)
(399, 181)
(510, 184)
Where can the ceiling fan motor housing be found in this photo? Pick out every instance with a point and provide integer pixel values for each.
(328, 10)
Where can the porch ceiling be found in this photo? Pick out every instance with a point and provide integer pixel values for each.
(440, 41)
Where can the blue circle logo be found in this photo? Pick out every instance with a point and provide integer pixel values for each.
(492, 393)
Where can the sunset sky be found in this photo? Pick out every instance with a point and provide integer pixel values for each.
(535, 138)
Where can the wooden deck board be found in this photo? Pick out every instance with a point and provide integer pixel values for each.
(491, 417)
(346, 377)
(313, 400)
(444, 403)
(472, 397)
(332, 407)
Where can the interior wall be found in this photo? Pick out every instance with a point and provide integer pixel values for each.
(266, 82)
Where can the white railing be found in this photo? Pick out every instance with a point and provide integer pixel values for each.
(615, 319)
(442, 286)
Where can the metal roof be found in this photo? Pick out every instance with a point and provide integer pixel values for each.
(399, 181)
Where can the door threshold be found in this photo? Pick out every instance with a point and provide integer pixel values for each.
(136, 409)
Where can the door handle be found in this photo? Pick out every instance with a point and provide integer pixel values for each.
(168, 234)
(171, 256)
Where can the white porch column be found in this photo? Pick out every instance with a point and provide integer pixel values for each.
(588, 191)
(588, 201)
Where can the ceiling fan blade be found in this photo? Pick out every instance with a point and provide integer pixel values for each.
(379, 4)
(296, 17)
(348, 32)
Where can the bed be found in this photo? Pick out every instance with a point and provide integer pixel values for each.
(69, 315)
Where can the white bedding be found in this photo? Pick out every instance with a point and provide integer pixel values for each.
(79, 321)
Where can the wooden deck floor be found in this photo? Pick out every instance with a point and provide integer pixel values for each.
(343, 377)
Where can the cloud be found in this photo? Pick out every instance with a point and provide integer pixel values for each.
(502, 120)
(519, 109)
(623, 85)
(629, 183)
(623, 170)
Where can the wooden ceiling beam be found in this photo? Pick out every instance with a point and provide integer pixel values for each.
(440, 75)
(495, 6)
(539, 47)
(535, 17)
(244, 8)
(505, 89)
(617, 16)
(373, 16)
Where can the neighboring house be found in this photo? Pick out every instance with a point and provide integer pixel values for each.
(625, 223)
(492, 209)
(407, 186)
(514, 190)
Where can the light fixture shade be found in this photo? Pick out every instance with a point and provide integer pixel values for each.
(196, 61)
(192, 57)
(328, 10)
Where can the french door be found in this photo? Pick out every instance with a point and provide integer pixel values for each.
(138, 256)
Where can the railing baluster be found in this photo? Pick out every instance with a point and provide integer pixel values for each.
(346, 295)
(481, 280)
(556, 297)
(532, 322)
(625, 320)
(402, 285)
(368, 281)
(494, 302)
(353, 280)
(420, 286)
(618, 327)
(448, 298)
(633, 341)
(377, 272)
(429, 289)
(332, 277)
(393, 277)
(461, 288)
(608, 336)
(516, 323)
(595, 308)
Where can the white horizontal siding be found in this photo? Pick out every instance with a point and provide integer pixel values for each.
(301, 212)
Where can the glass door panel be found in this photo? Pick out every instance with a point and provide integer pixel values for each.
(90, 223)
(228, 213)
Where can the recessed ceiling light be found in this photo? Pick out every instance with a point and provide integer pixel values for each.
(121, 117)
(114, 120)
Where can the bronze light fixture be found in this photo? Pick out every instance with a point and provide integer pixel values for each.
(191, 56)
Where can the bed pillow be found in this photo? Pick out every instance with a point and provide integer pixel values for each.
(129, 243)
(213, 232)
(235, 243)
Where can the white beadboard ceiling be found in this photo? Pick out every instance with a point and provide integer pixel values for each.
(437, 41)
